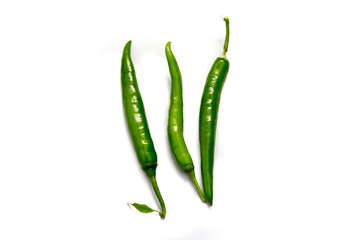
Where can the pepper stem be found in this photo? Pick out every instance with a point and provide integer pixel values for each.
(226, 43)
(193, 179)
(158, 195)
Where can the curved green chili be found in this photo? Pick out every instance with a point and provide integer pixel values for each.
(208, 116)
(175, 121)
(138, 126)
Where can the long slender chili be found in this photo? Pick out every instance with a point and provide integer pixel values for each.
(138, 127)
(175, 121)
(208, 116)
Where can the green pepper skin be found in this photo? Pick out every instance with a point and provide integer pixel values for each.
(208, 117)
(137, 122)
(175, 121)
(135, 115)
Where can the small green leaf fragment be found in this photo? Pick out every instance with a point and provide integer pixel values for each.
(143, 208)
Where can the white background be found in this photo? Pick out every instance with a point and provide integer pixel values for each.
(287, 150)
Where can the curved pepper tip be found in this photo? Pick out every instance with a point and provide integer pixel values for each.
(168, 45)
(128, 44)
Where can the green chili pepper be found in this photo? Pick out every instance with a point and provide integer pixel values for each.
(175, 121)
(208, 116)
(138, 127)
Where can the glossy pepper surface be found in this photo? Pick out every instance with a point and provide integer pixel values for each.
(208, 116)
(137, 123)
(175, 121)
